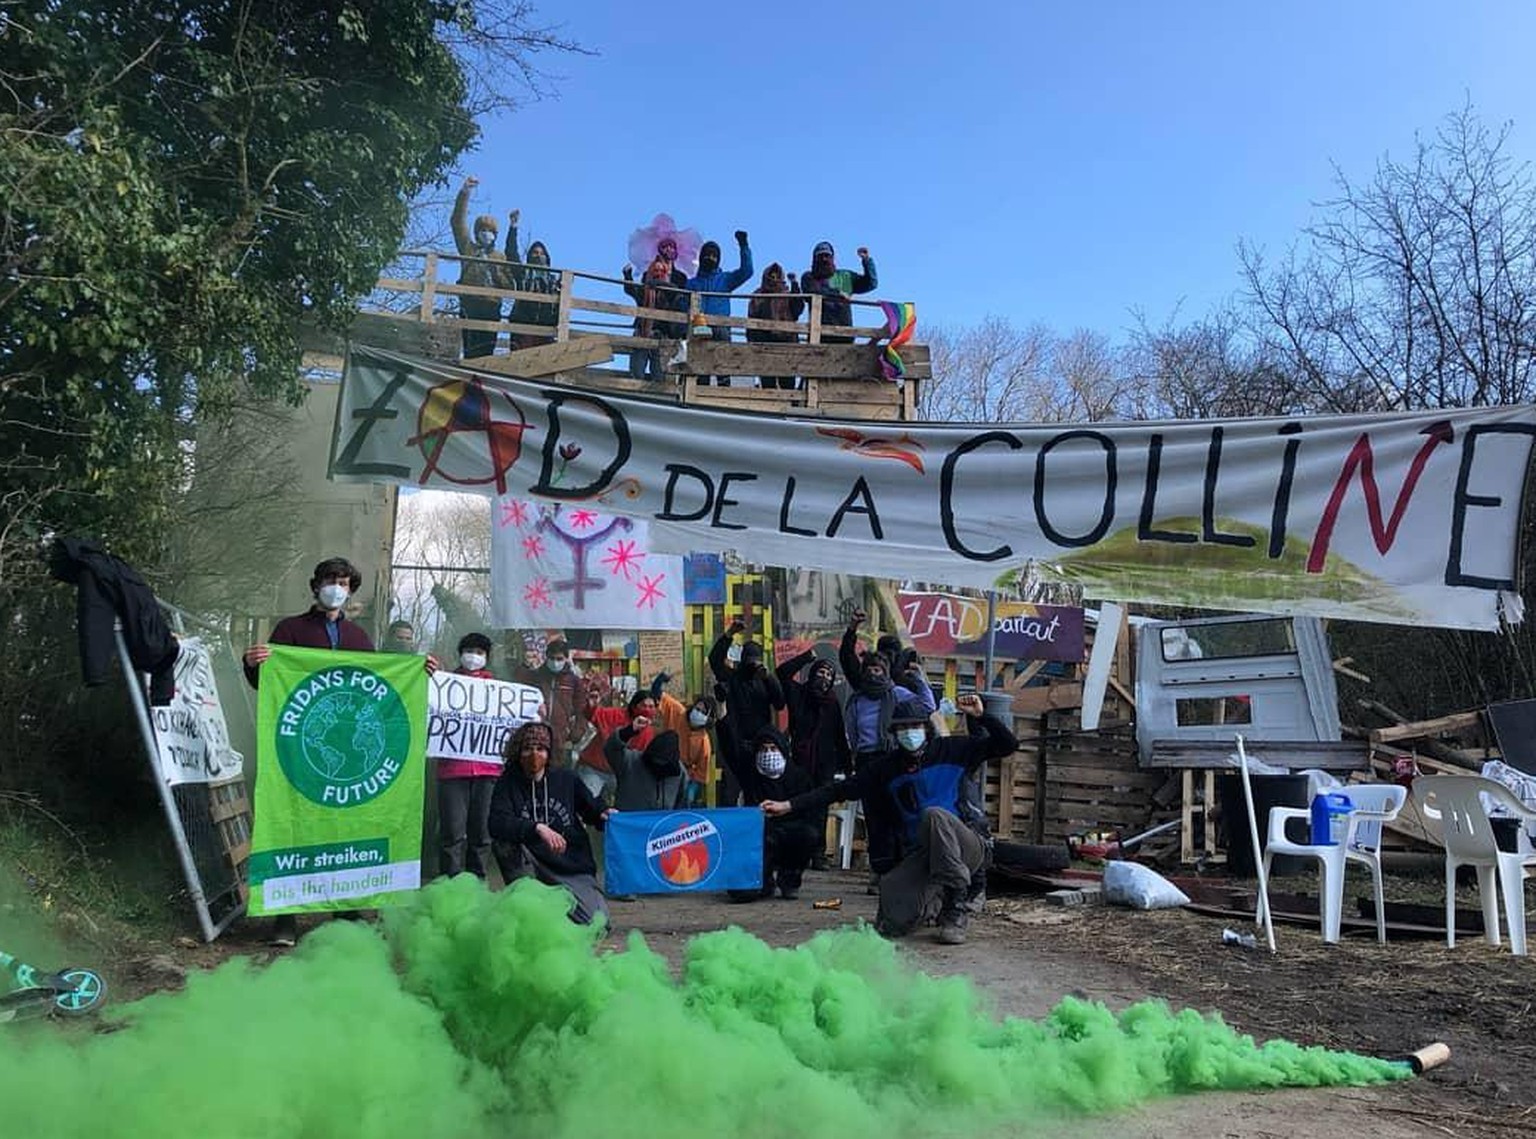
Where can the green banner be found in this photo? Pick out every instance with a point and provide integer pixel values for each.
(341, 757)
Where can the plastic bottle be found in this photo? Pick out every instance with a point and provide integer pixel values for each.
(1232, 937)
(1328, 811)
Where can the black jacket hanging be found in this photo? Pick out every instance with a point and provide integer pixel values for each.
(109, 588)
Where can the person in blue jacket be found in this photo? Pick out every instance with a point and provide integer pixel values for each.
(711, 278)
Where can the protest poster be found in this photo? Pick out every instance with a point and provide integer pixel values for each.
(191, 735)
(949, 624)
(341, 752)
(672, 852)
(470, 717)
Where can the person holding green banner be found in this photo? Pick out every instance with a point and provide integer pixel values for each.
(318, 761)
(538, 811)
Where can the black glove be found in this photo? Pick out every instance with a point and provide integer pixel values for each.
(741, 237)
(629, 273)
(659, 682)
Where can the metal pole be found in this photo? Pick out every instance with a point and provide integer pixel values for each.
(167, 797)
(1262, 915)
(991, 634)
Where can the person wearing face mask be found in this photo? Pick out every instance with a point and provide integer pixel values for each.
(324, 626)
(836, 285)
(538, 812)
(921, 777)
(752, 695)
(876, 692)
(401, 638)
(565, 698)
(778, 299)
(487, 270)
(464, 786)
(532, 274)
(818, 733)
(712, 280)
(691, 722)
(789, 839)
(662, 286)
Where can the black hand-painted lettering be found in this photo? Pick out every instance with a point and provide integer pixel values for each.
(1464, 499)
(860, 492)
(674, 472)
(600, 483)
(1281, 515)
(1144, 530)
(947, 494)
(347, 462)
(1111, 481)
(1208, 531)
(721, 502)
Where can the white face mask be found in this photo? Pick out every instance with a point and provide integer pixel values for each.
(911, 739)
(733, 654)
(770, 762)
(697, 719)
(472, 661)
(485, 238)
(556, 664)
(333, 596)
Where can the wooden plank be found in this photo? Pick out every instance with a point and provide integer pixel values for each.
(1330, 755)
(1035, 701)
(403, 334)
(1422, 729)
(547, 359)
(429, 287)
(563, 311)
(1138, 781)
(1187, 818)
(824, 361)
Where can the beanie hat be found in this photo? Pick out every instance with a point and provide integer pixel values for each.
(751, 651)
(908, 712)
(715, 245)
(823, 247)
(486, 221)
(662, 755)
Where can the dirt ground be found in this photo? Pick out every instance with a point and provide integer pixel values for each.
(1025, 954)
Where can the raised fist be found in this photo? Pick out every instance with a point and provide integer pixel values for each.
(970, 704)
(471, 182)
(863, 253)
(857, 618)
(513, 216)
(741, 237)
(629, 272)
(736, 626)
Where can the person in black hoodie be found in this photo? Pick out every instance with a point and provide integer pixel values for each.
(818, 734)
(790, 839)
(538, 811)
(751, 694)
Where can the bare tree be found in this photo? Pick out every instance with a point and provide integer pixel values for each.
(1213, 368)
(987, 373)
(449, 537)
(1417, 288)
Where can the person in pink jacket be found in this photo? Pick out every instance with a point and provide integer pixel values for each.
(464, 786)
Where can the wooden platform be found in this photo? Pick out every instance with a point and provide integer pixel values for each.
(837, 369)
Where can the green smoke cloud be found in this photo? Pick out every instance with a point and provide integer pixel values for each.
(492, 1014)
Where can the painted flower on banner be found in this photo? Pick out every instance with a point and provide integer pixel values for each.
(580, 558)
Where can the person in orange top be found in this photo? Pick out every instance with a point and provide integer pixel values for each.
(691, 723)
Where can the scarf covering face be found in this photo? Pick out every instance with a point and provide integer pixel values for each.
(659, 273)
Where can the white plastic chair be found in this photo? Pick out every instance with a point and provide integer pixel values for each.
(845, 816)
(1457, 801)
(1372, 805)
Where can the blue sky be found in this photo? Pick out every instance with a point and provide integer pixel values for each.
(1062, 163)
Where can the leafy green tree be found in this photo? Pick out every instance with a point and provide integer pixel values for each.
(182, 184)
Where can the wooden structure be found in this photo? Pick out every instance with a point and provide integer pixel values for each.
(415, 311)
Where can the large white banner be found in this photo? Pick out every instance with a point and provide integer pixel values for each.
(571, 566)
(1409, 518)
(470, 717)
(191, 735)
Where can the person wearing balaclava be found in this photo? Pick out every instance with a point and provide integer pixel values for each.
(921, 778)
(531, 274)
(484, 267)
(538, 812)
(751, 694)
(323, 626)
(789, 840)
(875, 693)
(650, 777)
(691, 722)
(712, 280)
(836, 285)
(777, 298)
(464, 786)
(662, 286)
(818, 734)
(565, 698)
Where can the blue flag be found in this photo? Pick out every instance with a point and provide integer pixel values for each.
(669, 852)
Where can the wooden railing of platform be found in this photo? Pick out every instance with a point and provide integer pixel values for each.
(837, 367)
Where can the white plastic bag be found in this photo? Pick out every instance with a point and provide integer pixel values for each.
(1140, 887)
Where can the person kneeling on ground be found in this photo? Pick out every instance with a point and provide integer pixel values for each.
(789, 837)
(538, 811)
(650, 777)
(922, 777)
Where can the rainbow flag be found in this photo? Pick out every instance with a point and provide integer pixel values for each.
(900, 322)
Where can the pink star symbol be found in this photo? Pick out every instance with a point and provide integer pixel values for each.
(582, 519)
(536, 594)
(514, 513)
(650, 592)
(533, 546)
(623, 559)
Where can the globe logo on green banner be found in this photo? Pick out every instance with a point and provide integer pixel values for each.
(342, 736)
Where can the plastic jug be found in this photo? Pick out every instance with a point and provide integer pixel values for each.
(1329, 812)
